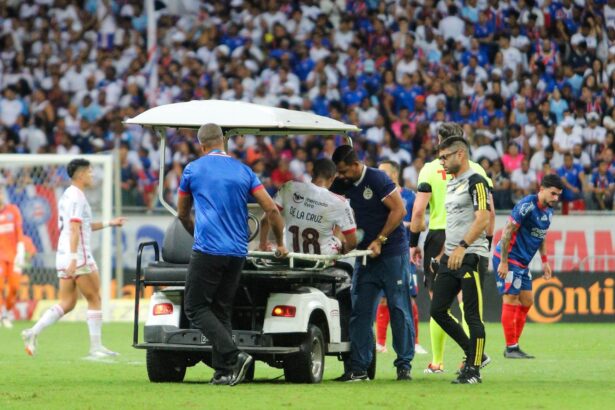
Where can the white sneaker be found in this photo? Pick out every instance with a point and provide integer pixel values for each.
(418, 349)
(29, 340)
(6, 322)
(381, 348)
(102, 352)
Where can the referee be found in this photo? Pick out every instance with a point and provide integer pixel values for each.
(468, 209)
(432, 192)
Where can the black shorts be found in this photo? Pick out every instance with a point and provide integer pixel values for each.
(434, 243)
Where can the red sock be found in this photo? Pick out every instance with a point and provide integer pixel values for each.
(382, 322)
(415, 319)
(509, 313)
(520, 320)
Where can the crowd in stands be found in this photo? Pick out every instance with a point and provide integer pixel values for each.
(532, 81)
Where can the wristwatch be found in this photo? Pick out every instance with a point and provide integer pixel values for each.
(383, 239)
(464, 244)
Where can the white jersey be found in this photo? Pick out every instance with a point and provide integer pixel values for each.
(74, 207)
(311, 213)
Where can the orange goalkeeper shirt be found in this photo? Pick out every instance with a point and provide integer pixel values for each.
(11, 232)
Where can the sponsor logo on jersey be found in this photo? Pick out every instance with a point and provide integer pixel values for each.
(298, 198)
(525, 208)
(7, 227)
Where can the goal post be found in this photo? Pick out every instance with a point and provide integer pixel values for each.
(34, 183)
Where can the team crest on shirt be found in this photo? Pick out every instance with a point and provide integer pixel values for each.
(368, 193)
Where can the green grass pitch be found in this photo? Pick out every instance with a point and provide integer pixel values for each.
(574, 369)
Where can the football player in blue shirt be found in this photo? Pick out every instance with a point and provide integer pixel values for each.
(523, 236)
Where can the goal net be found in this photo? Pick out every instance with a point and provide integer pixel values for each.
(35, 183)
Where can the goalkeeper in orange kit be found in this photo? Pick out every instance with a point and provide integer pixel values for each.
(12, 256)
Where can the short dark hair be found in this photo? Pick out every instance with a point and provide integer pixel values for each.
(454, 141)
(450, 130)
(552, 181)
(75, 165)
(324, 168)
(392, 164)
(345, 154)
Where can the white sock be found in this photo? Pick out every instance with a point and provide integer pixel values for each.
(95, 328)
(52, 315)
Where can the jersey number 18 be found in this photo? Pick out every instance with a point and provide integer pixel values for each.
(309, 236)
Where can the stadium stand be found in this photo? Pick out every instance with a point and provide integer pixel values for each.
(530, 80)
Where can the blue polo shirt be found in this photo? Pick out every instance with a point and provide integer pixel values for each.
(366, 196)
(220, 185)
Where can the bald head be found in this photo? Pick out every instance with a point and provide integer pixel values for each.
(209, 135)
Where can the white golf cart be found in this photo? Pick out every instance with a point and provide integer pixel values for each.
(288, 313)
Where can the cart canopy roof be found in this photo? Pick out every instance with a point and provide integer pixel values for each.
(239, 117)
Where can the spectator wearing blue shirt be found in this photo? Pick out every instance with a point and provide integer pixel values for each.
(218, 186)
(90, 110)
(475, 51)
(353, 94)
(603, 186)
(379, 212)
(370, 79)
(484, 31)
(406, 93)
(557, 105)
(320, 104)
(573, 178)
(470, 11)
(464, 115)
(304, 64)
(490, 112)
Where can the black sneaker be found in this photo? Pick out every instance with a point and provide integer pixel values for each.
(221, 379)
(357, 376)
(516, 353)
(486, 360)
(403, 374)
(240, 368)
(468, 375)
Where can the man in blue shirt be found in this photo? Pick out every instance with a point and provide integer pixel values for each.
(218, 186)
(523, 236)
(379, 211)
(573, 178)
